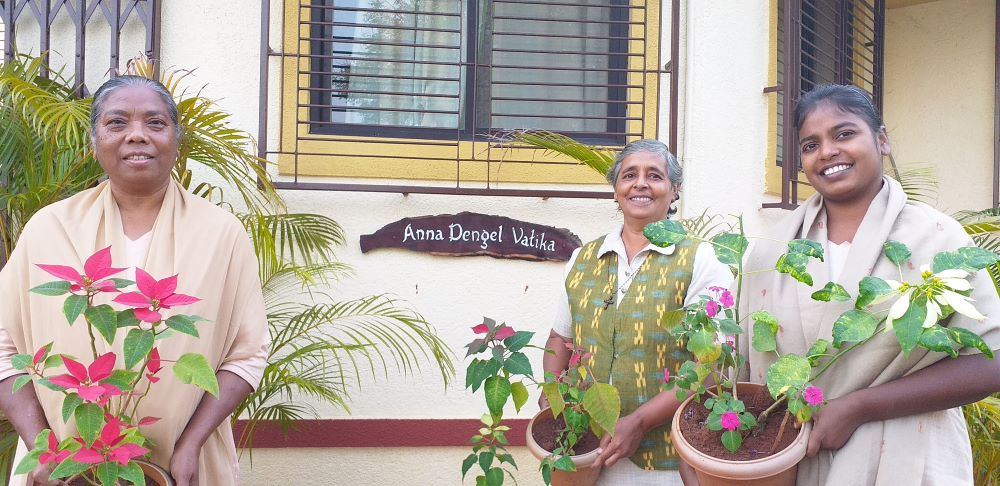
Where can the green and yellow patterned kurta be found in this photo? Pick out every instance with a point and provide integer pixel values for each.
(630, 349)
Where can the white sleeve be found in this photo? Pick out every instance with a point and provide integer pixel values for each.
(708, 272)
(7, 351)
(563, 322)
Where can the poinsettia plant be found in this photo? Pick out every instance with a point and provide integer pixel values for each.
(504, 372)
(103, 396)
(708, 329)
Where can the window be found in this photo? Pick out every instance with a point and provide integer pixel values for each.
(426, 84)
(839, 41)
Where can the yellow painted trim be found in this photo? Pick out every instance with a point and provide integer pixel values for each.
(361, 157)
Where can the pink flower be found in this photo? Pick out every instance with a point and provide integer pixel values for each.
(726, 299)
(107, 448)
(53, 454)
(95, 270)
(152, 296)
(730, 421)
(87, 381)
(480, 329)
(813, 396)
(666, 375)
(711, 309)
(577, 356)
(504, 333)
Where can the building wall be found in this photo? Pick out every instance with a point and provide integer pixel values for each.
(939, 90)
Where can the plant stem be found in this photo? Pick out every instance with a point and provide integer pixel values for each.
(828, 364)
(781, 431)
(763, 415)
(90, 329)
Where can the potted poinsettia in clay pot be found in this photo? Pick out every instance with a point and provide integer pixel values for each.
(742, 433)
(564, 436)
(106, 445)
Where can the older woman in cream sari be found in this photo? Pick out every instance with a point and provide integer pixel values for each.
(891, 419)
(150, 222)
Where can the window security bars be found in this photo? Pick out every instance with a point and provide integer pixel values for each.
(114, 12)
(838, 41)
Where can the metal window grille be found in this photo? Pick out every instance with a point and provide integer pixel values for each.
(824, 41)
(114, 12)
(445, 73)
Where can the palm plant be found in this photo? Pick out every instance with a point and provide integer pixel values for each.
(319, 343)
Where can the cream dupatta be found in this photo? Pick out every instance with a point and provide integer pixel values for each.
(930, 448)
(204, 245)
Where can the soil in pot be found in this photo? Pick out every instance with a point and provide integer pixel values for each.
(546, 429)
(756, 444)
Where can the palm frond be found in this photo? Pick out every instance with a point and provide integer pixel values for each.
(918, 181)
(597, 158)
(705, 225)
(983, 421)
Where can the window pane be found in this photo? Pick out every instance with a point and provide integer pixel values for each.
(387, 63)
(559, 67)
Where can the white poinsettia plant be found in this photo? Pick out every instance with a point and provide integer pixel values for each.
(912, 311)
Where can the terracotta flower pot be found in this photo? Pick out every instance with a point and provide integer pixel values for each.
(778, 469)
(155, 475)
(585, 474)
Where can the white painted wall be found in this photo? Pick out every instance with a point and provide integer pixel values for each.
(939, 84)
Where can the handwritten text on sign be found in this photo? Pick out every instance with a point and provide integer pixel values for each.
(467, 233)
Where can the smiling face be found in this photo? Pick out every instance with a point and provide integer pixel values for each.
(135, 141)
(841, 156)
(643, 189)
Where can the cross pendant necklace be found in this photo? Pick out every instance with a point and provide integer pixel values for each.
(628, 278)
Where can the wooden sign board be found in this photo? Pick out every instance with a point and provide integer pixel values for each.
(466, 234)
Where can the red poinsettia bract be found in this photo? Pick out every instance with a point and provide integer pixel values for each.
(53, 454)
(152, 296)
(96, 269)
(109, 447)
(88, 382)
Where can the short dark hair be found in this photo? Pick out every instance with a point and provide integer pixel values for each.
(111, 85)
(847, 98)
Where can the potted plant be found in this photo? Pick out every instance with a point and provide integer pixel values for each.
(713, 428)
(564, 436)
(103, 396)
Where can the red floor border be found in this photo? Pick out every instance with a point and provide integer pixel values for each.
(376, 433)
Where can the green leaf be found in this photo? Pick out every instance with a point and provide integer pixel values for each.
(897, 252)
(672, 318)
(794, 265)
(69, 468)
(969, 339)
(107, 473)
(121, 379)
(517, 364)
(58, 287)
(910, 325)
(485, 460)
(70, 404)
(193, 369)
(53, 361)
(73, 307)
(89, 420)
(948, 260)
(104, 319)
(817, 350)
(126, 318)
(935, 338)
(494, 477)
(133, 474)
(832, 291)
(729, 327)
(21, 361)
(519, 393)
(978, 258)
(468, 463)
(732, 440)
(121, 283)
(729, 247)
(138, 344)
(872, 290)
(854, 326)
(664, 233)
(805, 247)
(763, 339)
(19, 383)
(518, 340)
(565, 463)
(29, 463)
(184, 324)
(497, 389)
(702, 344)
(790, 371)
(556, 401)
(602, 403)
